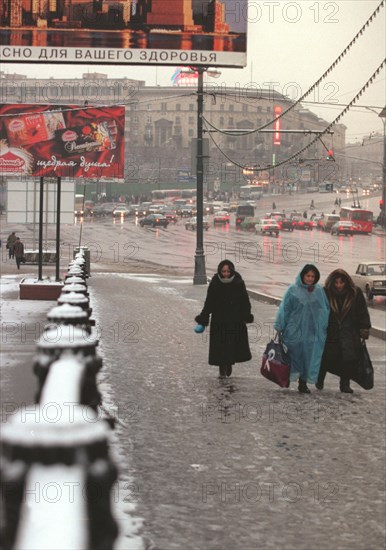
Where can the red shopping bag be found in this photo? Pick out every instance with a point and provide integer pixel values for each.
(276, 365)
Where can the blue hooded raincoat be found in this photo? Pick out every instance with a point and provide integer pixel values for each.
(302, 319)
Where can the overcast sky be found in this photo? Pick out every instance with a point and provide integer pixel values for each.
(291, 42)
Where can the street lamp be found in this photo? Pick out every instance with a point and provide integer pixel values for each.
(200, 277)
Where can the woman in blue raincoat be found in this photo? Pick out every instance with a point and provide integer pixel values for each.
(302, 320)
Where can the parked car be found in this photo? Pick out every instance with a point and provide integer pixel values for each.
(192, 223)
(187, 211)
(105, 209)
(371, 278)
(244, 210)
(155, 220)
(221, 217)
(267, 226)
(121, 211)
(302, 223)
(344, 228)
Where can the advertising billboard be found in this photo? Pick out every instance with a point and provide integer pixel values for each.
(146, 32)
(62, 141)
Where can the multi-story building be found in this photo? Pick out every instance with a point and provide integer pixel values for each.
(161, 127)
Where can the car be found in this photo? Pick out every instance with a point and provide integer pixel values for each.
(328, 221)
(121, 211)
(105, 209)
(170, 215)
(248, 224)
(244, 210)
(192, 223)
(267, 226)
(371, 278)
(344, 228)
(302, 223)
(155, 220)
(187, 211)
(221, 217)
(285, 224)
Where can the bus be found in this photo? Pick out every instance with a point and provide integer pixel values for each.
(252, 192)
(171, 195)
(360, 216)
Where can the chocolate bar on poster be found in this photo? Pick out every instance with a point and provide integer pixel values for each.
(90, 137)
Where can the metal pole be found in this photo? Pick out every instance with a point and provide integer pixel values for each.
(199, 260)
(58, 197)
(41, 206)
(384, 173)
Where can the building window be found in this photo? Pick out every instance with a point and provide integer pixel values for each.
(191, 120)
(178, 120)
(148, 107)
(149, 118)
(231, 108)
(191, 133)
(134, 107)
(221, 107)
(230, 121)
(191, 107)
(221, 121)
(245, 108)
(178, 107)
(135, 119)
(164, 107)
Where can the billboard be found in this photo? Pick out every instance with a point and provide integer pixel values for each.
(146, 32)
(62, 141)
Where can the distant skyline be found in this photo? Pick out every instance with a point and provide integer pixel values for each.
(291, 46)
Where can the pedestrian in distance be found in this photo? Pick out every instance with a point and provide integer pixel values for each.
(312, 205)
(273, 206)
(228, 307)
(348, 323)
(302, 321)
(19, 252)
(10, 244)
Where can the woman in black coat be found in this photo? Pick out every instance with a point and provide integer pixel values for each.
(348, 323)
(227, 301)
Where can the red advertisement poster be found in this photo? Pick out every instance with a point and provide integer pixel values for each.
(62, 141)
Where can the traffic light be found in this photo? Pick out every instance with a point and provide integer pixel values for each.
(330, 155)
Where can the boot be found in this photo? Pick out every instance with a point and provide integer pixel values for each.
(229, 370)
(345, 386)
(302, 387)
(320, 383)
(223, 371)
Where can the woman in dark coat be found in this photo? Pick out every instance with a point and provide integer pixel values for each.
(349, 321)
(227, 301)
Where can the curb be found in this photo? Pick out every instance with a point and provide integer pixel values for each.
(260, 297)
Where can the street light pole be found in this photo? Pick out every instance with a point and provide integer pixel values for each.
(382, 115)
(200, 277)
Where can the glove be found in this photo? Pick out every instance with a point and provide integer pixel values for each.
(249, 318)
(199, 328)
(364, 333)
(202, 320)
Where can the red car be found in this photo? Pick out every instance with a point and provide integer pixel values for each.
(302, 223)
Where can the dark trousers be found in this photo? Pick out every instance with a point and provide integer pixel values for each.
(18, 261)
(11, 252)
(344, 378)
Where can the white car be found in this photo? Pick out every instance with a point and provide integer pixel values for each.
(121, 211)
(221, 217)
(371, 278)
(267, 226)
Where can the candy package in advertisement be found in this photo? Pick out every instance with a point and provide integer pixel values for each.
(33, 128)
(94, 136)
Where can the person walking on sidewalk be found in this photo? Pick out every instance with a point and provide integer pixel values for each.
(227, 302)
(11, 245)
(19, 251)
(302, 320)
(349, 322)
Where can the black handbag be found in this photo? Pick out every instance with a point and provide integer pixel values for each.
(276, 365)
(364, 372)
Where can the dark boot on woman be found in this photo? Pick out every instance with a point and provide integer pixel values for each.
(302, 387)
(223, 371)
(229, 370)
(345, 386)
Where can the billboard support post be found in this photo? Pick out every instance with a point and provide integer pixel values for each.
(58, 206)
(41, 204)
